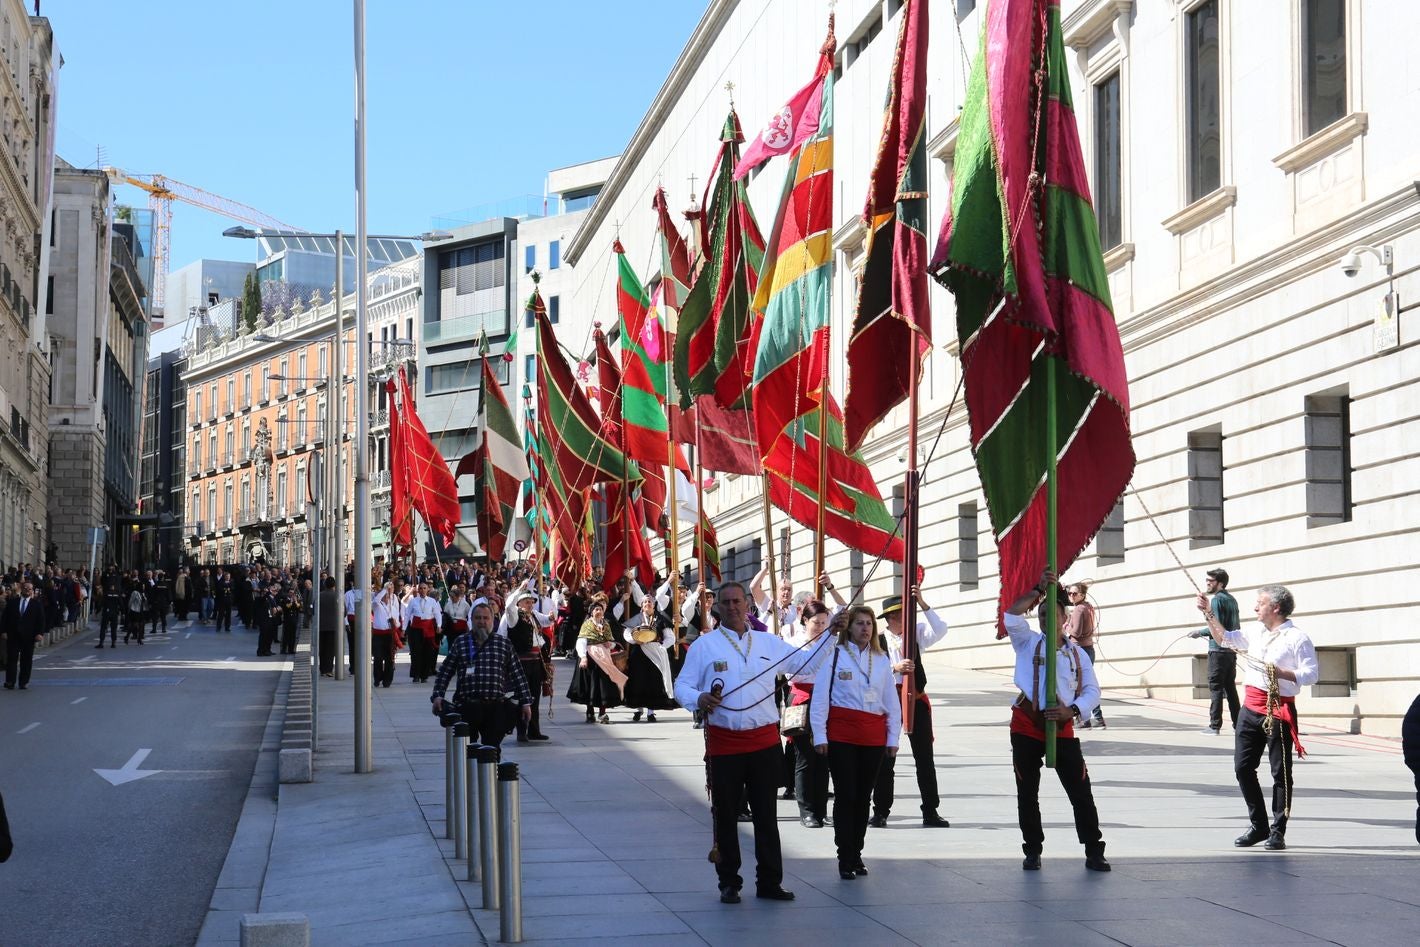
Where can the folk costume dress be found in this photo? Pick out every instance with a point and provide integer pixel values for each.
(650, 678)
(600, 683)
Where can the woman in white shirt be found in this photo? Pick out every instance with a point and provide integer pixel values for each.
(854, 725)
(810, 769)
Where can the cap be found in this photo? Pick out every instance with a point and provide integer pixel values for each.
(891, 604)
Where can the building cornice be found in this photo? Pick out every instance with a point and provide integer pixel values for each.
(706, 31)
(1311, 253)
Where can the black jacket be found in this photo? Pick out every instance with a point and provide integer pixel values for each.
(21, 626)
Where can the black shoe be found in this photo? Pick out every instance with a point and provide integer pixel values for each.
(522, 739)
(26, 687)
(787, 794)
(1275, 841)
(774, 894)
(591, 717)
(729, 894)
(651, 717)
(100, 645)
(1031, 863)
(878, 822)
(9, 687)
(847, 874)
(1252, 837)
(811, 821)
(828, 820)
(537, 736)
(861, 868)
(744, 816)
(1096, 863)
(636, 717)
(931, 820)
(1211, 731)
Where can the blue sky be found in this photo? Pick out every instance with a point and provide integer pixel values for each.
(469, 101)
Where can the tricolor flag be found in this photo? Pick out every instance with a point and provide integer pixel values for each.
(1020, 250)
(892, 324)
(501, 465)
(799, 120)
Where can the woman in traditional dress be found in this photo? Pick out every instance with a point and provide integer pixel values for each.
(649, 677)
(810, 769)
(597, 681)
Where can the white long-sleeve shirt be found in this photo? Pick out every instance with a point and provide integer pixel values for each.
(859, 680)
(459, 610)
(930, 630)
(353, 598)
(1288, 647)
(637, 597)
(753, 659)
(385, 613)
(422, 606)
(1083, 690)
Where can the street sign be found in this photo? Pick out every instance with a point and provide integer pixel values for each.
(519, 545)
(1386, 332)
(97, 534)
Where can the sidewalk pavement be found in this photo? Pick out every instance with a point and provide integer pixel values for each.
(615, 834)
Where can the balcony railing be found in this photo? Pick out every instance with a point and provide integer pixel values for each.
(194, 468)
(228, 458)
(380, 479)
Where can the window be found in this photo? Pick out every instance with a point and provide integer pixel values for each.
(281, 492)
(196, 452)
(1336, 672)
(1108, 166)
(530, 369)
(1328, 459)
(230, 444)
(282, 431)
(211, 522)
(1109, 543)
(246, 388)
(1204, 105)
(461, 376)
(194, 513)
(1323, 62)
(301, 423)
(855, 569)
(197, 404)
(529, 318)
(212, 450)
(554, 309)
(964, 7)
(214, 401)
(1205, 488)
(301, 370)
(321, 360)
(246, 439)
(227, 502)
(469, 269)
(285, 377)
(231, 395)
(265, 383)
(968, 573)
(554, 254)
(529, 258)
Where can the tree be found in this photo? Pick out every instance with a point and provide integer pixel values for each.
(251, 302)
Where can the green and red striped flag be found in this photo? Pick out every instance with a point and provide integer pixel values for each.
(1020, 250)
(643, 378)
(707, 548)
(715, 333)
(627, 551)
(892, 324)
(675, 260)
(854, 512)
(501, 465)
(575, 454)
(796, 283)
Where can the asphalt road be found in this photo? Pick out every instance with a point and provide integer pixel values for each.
(133, 863)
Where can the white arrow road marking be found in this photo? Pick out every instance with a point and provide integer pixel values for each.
(187, 636)
(130, 771)
(78, 700)
(231, 658)
(29, 728)
(87, 657)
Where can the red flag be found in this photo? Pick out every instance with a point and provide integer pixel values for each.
(893, 324)
(432, 489)
(626, 548)
(401, 516)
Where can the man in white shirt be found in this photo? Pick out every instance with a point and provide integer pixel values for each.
(1278, 649)
(729, 674)
(423, 618)
(1077, 693)
(353, 598)
(930, 630)
(785, 613)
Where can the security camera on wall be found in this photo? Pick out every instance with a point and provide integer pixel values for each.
(1351, 263)
(1384, 254)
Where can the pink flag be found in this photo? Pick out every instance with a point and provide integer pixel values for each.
(792, 125)
(652, 335)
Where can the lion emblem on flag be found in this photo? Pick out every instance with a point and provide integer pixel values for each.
(779, 132)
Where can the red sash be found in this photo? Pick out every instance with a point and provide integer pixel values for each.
(857, 727)
(1022, 723)
(722, 741)
(460, 625)
(425, 626)
(350, 618)
(800, 693)
(1255, 699)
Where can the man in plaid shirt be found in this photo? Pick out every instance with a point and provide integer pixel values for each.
(487, 669)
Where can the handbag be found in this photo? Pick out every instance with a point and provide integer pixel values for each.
(794, 720)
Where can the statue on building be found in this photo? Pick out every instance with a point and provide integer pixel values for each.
(261, 465)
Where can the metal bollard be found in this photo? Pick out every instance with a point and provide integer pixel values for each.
(455, 815)
(510, 854)
(447, 721)
(488, 824)
(472, 793)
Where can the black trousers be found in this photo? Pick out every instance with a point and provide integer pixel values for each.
(920, 740)
(1410, 745)
(290, 630)
(135, 626)
(486, 721)
(1099, 710)
(855, 771)
(327, 649)
(1248, 747)
(382, 652)
(533, 671)
(810, 778)
(19, 658)
(224, 616)
(1222, 683)
(109, 622)
(423, 656)
(735, 777)
(1027, 756)
(159, 616)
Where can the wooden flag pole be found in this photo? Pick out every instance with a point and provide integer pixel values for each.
(819, 529)
(769, 544)
(909, 537)
(1052, 634)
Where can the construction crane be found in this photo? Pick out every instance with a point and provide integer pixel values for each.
(162, 191)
